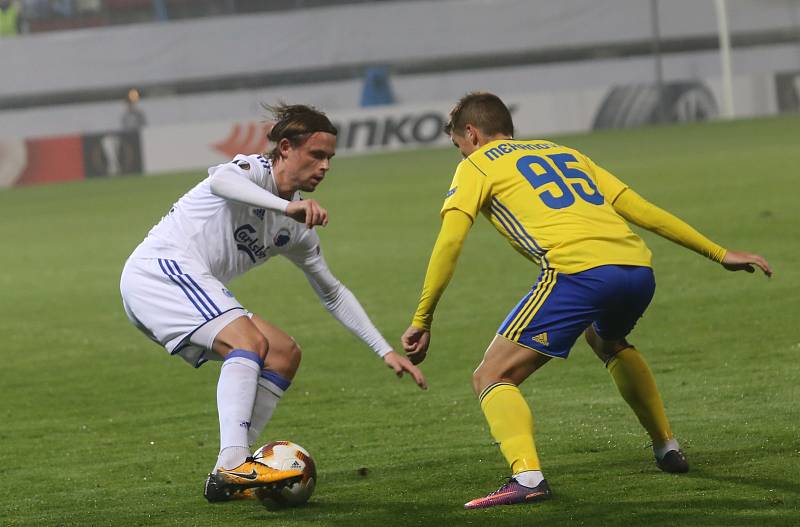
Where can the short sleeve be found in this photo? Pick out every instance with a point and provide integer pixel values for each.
(467, 190)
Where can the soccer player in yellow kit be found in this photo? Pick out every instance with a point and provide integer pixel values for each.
(563, 212)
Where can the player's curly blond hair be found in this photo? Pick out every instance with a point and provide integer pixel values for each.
(482, 110)
(296, 123)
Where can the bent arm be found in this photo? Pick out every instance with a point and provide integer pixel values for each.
(641, 212)
(230, 182)
(455, 227)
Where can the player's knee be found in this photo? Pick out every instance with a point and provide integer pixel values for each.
(481, 379)
(241, 334)
(475, 382)
(615, 347)
(284, 357)
(255, 342)
(607, 349)
(261, 345)
(294, 355)
(591, 338)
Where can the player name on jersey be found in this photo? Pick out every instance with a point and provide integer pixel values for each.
(506, 148)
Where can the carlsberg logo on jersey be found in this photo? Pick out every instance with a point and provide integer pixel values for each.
(248, 243)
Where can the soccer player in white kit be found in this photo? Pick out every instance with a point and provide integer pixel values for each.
(173, 285)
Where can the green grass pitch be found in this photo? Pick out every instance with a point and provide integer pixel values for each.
(101, 427)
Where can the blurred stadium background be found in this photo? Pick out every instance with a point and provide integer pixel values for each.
(387, 71)
(693, 103)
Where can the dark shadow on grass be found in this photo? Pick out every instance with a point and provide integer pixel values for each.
(724, 466)
(605, 489)
(712, 511)
(713, 464)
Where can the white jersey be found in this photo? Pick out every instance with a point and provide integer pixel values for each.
(227, 237)
(173, 284)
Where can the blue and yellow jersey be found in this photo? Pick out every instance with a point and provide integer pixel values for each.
(552, 203)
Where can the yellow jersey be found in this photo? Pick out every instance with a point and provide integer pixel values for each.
(552, 203)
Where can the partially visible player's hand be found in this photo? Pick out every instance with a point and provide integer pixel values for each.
(307, 211)
(401, 364)
(736, 261)
(415, 343)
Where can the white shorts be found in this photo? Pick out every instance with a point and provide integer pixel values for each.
(178, 304)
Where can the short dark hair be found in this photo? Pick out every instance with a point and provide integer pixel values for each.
(483, 110)
(296, 122)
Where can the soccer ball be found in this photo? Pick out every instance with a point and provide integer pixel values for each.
(285, 455)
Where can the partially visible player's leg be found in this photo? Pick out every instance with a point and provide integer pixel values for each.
(544, 324)
(280, 367)
(635, 382)
(505, 365)
(189, 312)
(629, 370)
(637, 385)
(243, 348)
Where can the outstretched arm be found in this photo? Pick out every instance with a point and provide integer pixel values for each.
(641, 212)
(455, 227)
(344, 306)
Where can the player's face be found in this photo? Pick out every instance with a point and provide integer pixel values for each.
(307, 164)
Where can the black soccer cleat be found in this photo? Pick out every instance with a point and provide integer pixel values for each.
(673, 462)
(215, 491)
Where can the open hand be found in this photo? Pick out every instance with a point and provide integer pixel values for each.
(736, 261)
(307, 211)
(401, 364)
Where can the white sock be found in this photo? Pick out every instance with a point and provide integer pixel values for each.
(529, 478)
(236, 393)
(662, 450)
(271, 387)
(231, 457)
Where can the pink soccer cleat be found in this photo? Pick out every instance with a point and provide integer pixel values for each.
(512, 493)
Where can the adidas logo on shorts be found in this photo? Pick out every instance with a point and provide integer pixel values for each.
(541, 338)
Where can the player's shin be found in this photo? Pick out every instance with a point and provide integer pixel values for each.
(511, 424)
(271, 386)
(236, 393)
(637, 386)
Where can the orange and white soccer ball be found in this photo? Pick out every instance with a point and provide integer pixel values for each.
(285, 455)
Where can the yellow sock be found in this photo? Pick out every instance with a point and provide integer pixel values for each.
(637, 386)
(511, 423)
